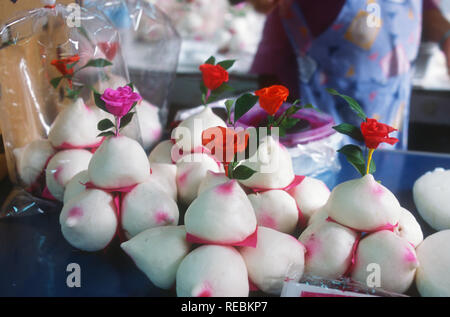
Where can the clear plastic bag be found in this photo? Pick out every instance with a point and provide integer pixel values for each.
(151, 48)
(50, 58)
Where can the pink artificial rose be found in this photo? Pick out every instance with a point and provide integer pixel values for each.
(118, 102)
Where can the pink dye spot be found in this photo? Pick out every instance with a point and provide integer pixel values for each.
(75, 212)
(183, 177)
(226, 188)
(87, 108)
(372, 95)
(206, 291)
(409, 256)
(377, 189)
(57, 172)
(312, 246)
(267, 221)
(163, 218)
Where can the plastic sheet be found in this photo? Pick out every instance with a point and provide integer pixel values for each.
(150, 45)
(50, 58)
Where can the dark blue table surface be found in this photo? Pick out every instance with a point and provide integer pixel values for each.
(34, 255)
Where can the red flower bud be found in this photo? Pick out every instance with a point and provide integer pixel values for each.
(213, 75)
(375, 133)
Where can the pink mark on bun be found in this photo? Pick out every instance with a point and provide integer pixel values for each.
(163, 218)
(266, 220)
(312, 246)
(126, 189)
(183, 178)
(295, 182)
(57, 172)
(73, 216)
(409, 256)
(75, 212)
(226, 188)
(69, 146)
(250, 241)
(377, 189)
(205, 291)
(252, 286)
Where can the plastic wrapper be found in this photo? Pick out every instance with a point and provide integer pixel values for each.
(313, 286)
(313, 145)
(151, 47)
(50, 58)
(195, 19)
(223, 30)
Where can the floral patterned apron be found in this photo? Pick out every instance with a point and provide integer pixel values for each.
(366, 53)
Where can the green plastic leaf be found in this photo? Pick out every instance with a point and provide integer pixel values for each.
(55, 81)
(99, 102)
(350, 130)
(72, 93)
(105, 124)
(289, 123)
(70, 66)
(354, 156)
(126, 119)
(99, 62)
(243, 172)
(351, 102)
(227, 64)
(106, 134)
(243, 104)
(211, 60)
(229, 105)
(224, 87)
(131, 86)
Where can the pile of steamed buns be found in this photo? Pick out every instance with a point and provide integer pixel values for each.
(72, 139)
(237, 235)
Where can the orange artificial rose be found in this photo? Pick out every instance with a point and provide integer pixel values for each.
(224, 143)
(271, 98)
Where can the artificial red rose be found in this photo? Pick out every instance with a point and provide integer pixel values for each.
(61, 64)
(375, 132)
(224, 143)
(213, 75)
(271, 98)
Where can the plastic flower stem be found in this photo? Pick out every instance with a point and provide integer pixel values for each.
(369, 159)
(117, 125)
(226, 167)
(280, 119)
(208, 94)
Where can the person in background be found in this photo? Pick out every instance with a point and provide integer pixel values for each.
(361, 48)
